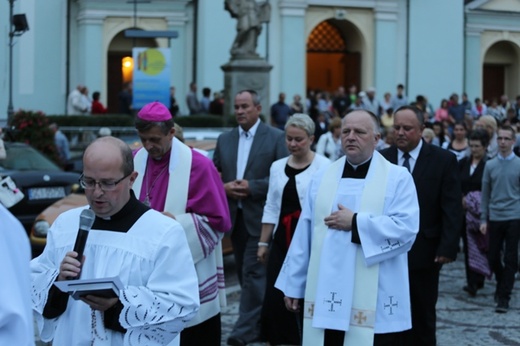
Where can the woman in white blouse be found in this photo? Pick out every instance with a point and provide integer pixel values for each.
(288, 181)
(329, 144)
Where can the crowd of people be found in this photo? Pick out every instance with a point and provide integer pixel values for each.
(337, 240)
(204, 105)
(79, 102)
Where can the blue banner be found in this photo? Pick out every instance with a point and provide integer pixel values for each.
(151, 77)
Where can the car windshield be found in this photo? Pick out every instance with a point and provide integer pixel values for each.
(25, 158)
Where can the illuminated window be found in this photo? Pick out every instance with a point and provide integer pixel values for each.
(127, 66)
(326, 37)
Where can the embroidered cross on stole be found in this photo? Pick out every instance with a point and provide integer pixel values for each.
(362, 316)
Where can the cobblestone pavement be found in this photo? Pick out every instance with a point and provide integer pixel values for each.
(461, 320)
(465, 320)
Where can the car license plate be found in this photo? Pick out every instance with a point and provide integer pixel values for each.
(46, 193)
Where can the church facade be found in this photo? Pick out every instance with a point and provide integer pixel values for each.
(433, 47)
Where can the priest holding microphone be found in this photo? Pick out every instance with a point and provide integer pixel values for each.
(145, 249)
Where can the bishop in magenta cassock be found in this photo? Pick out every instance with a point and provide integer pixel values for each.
(184, 184)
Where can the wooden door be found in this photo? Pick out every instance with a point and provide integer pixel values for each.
(352, 63)
(494, 82)
(325, 71)
(328, 71)
(114, 80)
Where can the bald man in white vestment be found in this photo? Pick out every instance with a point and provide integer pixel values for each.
(148, 251)
(348, 257)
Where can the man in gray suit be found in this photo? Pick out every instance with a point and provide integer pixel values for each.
(244, 156)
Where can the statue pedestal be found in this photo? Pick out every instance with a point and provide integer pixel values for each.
(246, 73)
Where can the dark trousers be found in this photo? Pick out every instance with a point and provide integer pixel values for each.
(424, 290)
(205, 333)
(336, 338)
(504, 235)
(252, 277)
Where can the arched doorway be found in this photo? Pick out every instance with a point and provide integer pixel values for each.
(119, 48)
(500, 71)
(333, 56)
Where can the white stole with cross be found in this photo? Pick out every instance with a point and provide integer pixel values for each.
(358, 300)
(176, 200)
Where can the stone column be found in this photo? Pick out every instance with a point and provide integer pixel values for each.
(386, 48)
(181, 55)
(90, 56)
(249, 73)
(473, 64)
(290, 77)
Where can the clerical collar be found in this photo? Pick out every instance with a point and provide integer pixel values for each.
(124, 219)
(356, 171)
(164, 158)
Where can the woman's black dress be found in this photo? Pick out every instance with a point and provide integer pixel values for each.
(280, 326)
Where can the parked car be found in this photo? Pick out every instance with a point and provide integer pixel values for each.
(202, 140)
(45, 219)
(41, 180)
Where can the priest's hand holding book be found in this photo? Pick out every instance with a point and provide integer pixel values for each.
(99, 303)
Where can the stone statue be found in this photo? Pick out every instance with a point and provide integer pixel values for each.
(250, 16)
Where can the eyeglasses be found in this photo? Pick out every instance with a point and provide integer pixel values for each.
(105, 185)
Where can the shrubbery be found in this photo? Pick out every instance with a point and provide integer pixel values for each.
(33, 128)
(92, 120)
(110, 120)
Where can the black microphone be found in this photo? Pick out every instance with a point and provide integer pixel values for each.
(86, 220)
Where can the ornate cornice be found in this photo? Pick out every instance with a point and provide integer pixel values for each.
(177, 19)
(92, 17)
(344, 3)
(386, 10)
(294, 8)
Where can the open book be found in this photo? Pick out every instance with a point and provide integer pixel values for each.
(105, 287)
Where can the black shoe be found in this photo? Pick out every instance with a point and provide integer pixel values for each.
(232, 341)
(472, 291)
(502, 306)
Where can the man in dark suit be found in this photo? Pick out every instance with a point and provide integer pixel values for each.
(434, 171)
(244, 156)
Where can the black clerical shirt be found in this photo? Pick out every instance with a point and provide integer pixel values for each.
(121, 221)
(360, 172)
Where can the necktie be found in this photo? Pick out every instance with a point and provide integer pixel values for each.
(406, 162)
